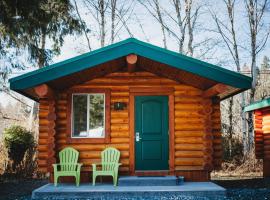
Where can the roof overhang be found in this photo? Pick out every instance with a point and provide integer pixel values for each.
(258, 105)
(112, 58)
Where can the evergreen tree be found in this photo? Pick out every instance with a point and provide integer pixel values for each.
(29, 24)
(265, 63)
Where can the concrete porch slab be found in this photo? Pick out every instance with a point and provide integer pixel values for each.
(107, 191)
(150, 180)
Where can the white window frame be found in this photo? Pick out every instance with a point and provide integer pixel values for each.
(88, 114)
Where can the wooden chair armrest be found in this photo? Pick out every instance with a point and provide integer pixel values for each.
(117, 165)
(79, 165)
(58, 164)
(96, 164)
(55, 167)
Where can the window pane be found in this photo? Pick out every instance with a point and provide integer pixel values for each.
(79, 115)
(96, 115)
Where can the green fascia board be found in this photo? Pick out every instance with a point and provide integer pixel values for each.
(123, 48)
(258, 105)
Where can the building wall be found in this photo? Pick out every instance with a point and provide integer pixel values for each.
(262, 137)
(197, 136)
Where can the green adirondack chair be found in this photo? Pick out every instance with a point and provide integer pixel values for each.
(109, 165)
(68, 165)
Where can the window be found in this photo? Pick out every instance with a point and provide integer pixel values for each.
(88, 115)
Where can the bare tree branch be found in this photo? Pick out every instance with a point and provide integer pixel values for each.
(84, 28)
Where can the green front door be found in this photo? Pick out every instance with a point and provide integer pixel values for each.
(151, 133)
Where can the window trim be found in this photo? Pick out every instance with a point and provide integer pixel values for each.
(88, 115)
(107, 116)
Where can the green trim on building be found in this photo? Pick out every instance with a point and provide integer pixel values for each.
(123, 48)
(258, 105)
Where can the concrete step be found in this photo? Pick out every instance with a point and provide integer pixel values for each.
(150, 180)
(188, 190)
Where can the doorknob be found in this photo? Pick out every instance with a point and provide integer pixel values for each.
(138, 137)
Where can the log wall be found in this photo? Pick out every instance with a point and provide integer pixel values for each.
(197, 125)
(262, 138)
(266, 141)
(216, 130)
(46, 141)
(258, 134)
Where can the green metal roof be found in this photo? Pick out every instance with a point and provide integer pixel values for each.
(123, 48)
(258, 105)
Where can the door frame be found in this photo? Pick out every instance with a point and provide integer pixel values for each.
(150, 91)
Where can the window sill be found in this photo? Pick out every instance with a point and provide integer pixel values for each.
(88, 140)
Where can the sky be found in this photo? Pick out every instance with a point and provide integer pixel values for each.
(151, 32)
(75, 45)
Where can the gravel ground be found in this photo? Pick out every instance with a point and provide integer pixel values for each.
(21, 190)
(244, 189)
(252, 183)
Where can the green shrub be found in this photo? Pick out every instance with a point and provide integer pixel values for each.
(17, 140)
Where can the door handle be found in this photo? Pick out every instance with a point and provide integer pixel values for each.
(138, 138)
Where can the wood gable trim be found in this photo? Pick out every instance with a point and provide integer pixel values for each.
(107, 93)
(145, 91)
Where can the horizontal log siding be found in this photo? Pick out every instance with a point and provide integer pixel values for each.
(266, 134)
(189, 129)
(46, 141)
(190, 143)
(258, 132)
(216, 129)
(266, 140)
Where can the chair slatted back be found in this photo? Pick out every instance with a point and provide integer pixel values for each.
(109, 157)
(68, 159)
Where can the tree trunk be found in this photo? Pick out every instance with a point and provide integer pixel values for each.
(41, 58)
(113, 9)
(230, 131)
(188, 4)
(181, 26)
(161, 23)
(244, 124)
(230, 9)
(102, 23)
(232, 45)
(254, 18)
(84, 29)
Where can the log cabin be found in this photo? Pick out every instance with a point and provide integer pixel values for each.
(261, 126)
(161, 109)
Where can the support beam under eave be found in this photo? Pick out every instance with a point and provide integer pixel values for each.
(215, 90)
(131, 62)
(44, 91)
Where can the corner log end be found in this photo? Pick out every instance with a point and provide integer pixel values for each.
(44, 91)
(131, 62)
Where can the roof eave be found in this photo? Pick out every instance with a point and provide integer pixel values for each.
(258, 105)
(238, 91)
(124, 48)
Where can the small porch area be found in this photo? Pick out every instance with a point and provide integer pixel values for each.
(168, 187)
